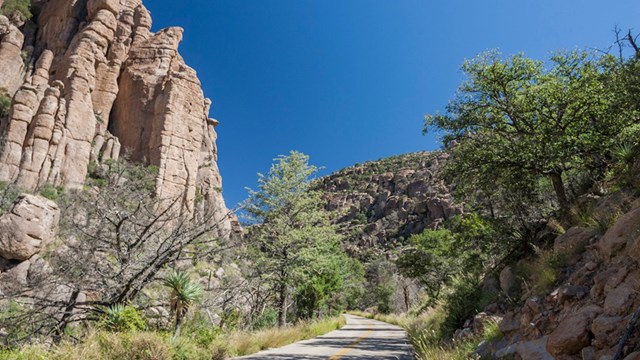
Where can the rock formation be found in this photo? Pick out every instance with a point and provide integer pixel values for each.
(28, 227)
(90, 82)
(586, 314)
(384, 202)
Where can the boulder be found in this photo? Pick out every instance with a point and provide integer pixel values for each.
(29, 225)
(573, 240)
(607, 329)
(619, 300)
(535, 349)
(633, 356)
(573, 333)
(507, 279)
(625, 230)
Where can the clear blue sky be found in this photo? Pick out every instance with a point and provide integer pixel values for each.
(348, 81)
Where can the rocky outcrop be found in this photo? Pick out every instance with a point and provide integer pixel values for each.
(29, 225)
(90, 82)
(585, 316)
(384, 202)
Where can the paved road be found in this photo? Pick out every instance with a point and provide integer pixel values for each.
(360, 339)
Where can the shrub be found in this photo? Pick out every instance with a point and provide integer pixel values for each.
(22, 7)
(200, 330)
(185, 349)
(540, 273)
(9, 193)
(268, 318)
(51, 192)
(119, 318)
(460, 304)
(5, 104)
(383, 294)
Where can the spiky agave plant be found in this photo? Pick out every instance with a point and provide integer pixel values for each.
(184, 293)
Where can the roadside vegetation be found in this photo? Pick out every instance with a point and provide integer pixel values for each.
(201, 343)
(529, 142)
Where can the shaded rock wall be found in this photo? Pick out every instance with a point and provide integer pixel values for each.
(90, 82)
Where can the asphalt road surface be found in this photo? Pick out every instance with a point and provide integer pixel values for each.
(360, 339)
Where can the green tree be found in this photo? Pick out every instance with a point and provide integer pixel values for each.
(516, 121)
(184, 293)
(292, 241)
(468, 247)
(21, 7)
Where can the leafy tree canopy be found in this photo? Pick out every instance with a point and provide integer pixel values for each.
(517, 120)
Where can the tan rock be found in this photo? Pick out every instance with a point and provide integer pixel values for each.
(28, 227)
(573, 240)
(633, 356)
(13, 67)
(572, 333)
(507, 279)
(619, 300)
(624, 231)
(19, 273)
(607, 329)
(93, 56)
(534, 350)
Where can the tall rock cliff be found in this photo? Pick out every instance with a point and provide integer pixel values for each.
(381, 203)
(90, 82)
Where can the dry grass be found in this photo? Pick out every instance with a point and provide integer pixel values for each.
(245, 343)
(423, 333)
(139, 345)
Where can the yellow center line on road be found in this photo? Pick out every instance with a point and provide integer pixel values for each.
(350, 347)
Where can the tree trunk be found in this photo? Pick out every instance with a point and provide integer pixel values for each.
(405, 291)
(282, 304)
(176, 333)
(64, 320)
(561, 194)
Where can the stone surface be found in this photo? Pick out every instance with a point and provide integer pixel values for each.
(28, 227)
(101, 84)
(507, 279)
(626, 230)
(13, 66)
(534, 349)
(607, 329)
(388, 200)
(619, 300)
(573, 240)
(633, 356)
(572, 334)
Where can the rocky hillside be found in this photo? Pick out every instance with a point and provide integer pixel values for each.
(90, 83)
(586, 315)
(381, 203)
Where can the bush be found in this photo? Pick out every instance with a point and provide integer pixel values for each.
(268, 318)
(184, 349)
(5, 104)
(51, 192)
(23, 7)
(383, 294)
(200, 330)
(540, 273)
(119, 318)
(9, 193)
(460, 304)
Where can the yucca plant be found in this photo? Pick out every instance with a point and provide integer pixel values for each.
(119, 317)
(184, 293)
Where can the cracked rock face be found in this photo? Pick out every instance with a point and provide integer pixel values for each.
(90, 82)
